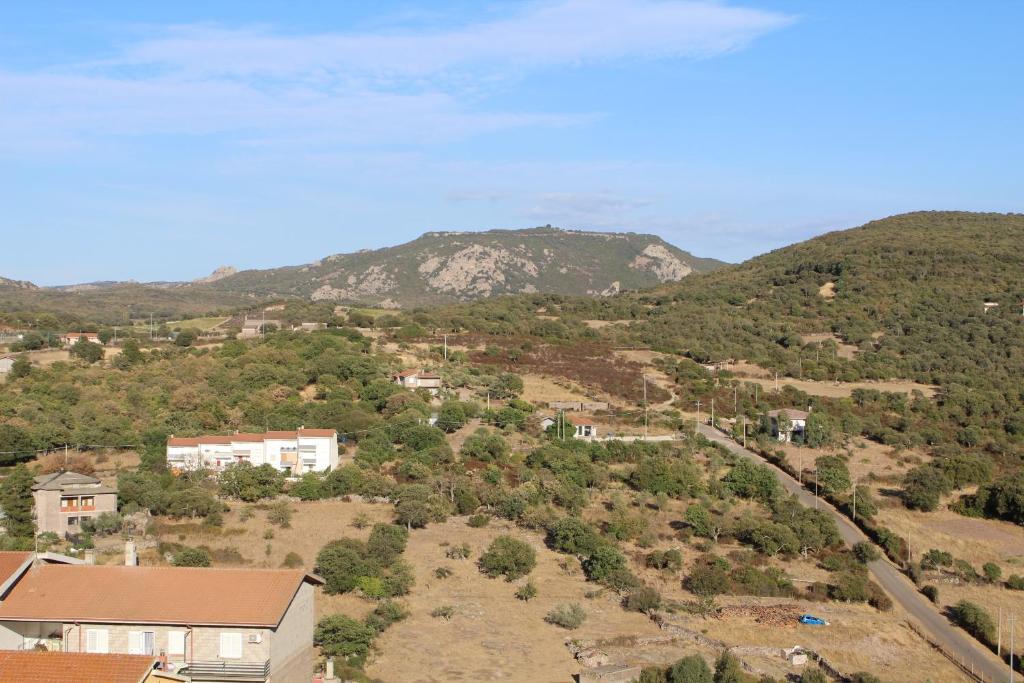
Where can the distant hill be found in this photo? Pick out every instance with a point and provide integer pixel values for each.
(438, 267)
(443, 267)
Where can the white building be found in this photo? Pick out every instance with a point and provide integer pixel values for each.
(72, 338)
(294, 453)
(418, 379)
(797, 420)
(576, 427)
(6, 363)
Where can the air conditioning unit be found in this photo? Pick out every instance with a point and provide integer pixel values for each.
(255, 637)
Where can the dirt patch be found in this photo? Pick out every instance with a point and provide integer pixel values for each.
(827, 290)
(844, 350)
(540, 389)
(498, 636)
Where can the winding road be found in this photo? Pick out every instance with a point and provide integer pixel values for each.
(976, 658)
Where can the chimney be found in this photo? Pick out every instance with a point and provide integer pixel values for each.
(131, 555)
(90, 557)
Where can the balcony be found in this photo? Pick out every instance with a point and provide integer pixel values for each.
(256, 672)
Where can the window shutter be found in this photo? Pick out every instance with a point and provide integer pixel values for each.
(176, 642)
(135, 642)
(97, 640)
(230, 645)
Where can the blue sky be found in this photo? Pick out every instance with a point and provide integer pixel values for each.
(160, 140)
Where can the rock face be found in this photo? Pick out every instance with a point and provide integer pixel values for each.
(218, 274)
(442, 267)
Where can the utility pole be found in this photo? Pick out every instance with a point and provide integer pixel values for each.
(776, 381)
(1013, 619)
(999, 634)
(815, 488)
(756, 387)
(735, 400)
(698, 412)
(446, 347)
(855, 503)
(712, 412)
(744, 431)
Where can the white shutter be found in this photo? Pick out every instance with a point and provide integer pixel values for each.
(175, 642)
(230, 645)
(97, 640)
(135, 646)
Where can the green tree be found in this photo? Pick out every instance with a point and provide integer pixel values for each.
(923, 487)
(16, 502)
(338, 635)
(690, 669)
(508, 556)
(451, 417)
(832, 473)
(386, 543)
(20, 368)
(87, 351)
(751, 480)
(341, 563)
(573, 536)
(813, 676)
(243, 481)
(186, 337)
(728, 669)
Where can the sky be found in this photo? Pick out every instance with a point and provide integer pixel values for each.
(158, 141)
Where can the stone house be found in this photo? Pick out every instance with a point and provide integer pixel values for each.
(65, 499)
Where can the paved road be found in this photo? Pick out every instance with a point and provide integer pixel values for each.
(902, 590)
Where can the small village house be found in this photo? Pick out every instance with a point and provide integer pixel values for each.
(252, 328)
(575, 426)
(793, 424)
(206, 624)
(418, 379)
(64, 500)
(292, 452)
(6, 363)
(72, 338)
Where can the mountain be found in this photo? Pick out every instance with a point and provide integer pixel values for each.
(16, 285)
(443, 267)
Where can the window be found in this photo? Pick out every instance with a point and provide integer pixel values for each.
(67, 504)
(141, 642)
(88, 501)
(72, 521)
(230, 645)
(97, 640)
(175, 642)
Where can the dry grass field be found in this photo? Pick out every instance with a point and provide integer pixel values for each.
(748, 372)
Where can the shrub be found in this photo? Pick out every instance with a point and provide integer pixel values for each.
(992, 572)
(386, 543)
(728, 670)
(864, 677)
(191, 557)
(479, 521)
(508, 556)
(574, 536)
(603, 563)
(457, 552)
(342, 636)
(570, 616)
(386, 613)
(1015, 582)
(526, 592)
(671, 560)
(280, 513)
(643, 599)
(292, 561)
(442, 572)
(691, 669)
(923, 487)
(931, 592)
(813, 676)
(975, 620)
(245, 482)
(445, 612)
(865, 552)
(341, 563)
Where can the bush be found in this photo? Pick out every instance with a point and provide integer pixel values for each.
(691, 669)
(728, 670)
(1015, 582)
(243, 481)
(813, 676)
(643, 599)
(526, 592)
(342, 636)
(191, 557)
(865, 552)
(386, 613)
(280, 513)
(604, 563)
(479, 521)
(976, 621)
(292, 561)
(670, 560)
(991, 570)
(931, 592)
(457, 552)
(341, 563)
(442, 572)
(569, 616)
(508, 556)
(386, 543)
(445, 612)
(573, 536)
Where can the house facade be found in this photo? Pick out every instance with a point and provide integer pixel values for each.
(6, 363)
(72, 338)
(64, 500)
(207, 624)
(419, 379)
(294, 453)
(794, 423)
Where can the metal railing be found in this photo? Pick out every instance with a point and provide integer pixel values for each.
(227, 671)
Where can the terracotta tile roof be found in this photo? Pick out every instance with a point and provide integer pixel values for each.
(246, 437)
(318, 432)
(59, 667)
(181, 441)
(10, 562)
(406, 373)
(153, 595)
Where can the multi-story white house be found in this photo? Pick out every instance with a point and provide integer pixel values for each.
(785, 424)
(207, 624)
(72, 338)
(294, 453)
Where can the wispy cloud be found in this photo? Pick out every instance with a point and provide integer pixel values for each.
(421, 86)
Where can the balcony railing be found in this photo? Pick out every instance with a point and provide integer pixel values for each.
(227, 671)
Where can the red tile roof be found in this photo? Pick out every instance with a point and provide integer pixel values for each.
(59, 667)
(318, 432)
(153, 595)
(10, 562)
